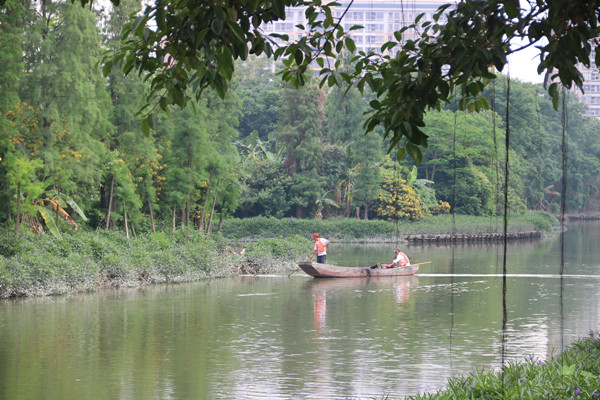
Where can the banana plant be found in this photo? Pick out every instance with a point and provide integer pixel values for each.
(48, 204)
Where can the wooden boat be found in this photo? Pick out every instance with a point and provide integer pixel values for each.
(333, 271)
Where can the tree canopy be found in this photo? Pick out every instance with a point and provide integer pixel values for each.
(178, 44)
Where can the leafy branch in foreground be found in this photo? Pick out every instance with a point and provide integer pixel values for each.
(178, 45)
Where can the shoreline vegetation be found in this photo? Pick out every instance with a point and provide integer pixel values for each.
(573, 374)
(41, 264)
(38, 265)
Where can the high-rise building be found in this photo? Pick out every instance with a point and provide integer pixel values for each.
(591, 87)
(379, 19)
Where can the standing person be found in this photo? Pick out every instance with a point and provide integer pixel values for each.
(320, 249)
(401, 260)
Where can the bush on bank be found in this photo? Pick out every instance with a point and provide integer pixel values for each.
(575, 374)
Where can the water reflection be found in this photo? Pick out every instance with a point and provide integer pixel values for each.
(400, 288)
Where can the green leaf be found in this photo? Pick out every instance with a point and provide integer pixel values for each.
(568, 370)
(107, 68)
(217, 26)
(375, 104)
(48, 220)
(412, 176)
(238, 33)
(414, 151)
(145, 125)
(76, 208)
(350, 45)
(588, 375)
(512, 8)
(279, 8)
(298, 56)
(401, 152)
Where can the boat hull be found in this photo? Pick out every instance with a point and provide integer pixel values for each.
(319, 270)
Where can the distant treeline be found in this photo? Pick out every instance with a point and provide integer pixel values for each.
(73, 151)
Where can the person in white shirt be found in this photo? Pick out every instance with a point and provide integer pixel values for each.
(401, 260)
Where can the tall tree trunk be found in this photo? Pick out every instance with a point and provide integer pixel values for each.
(203, 213)
(187, 211)
(125, 218)
(366, 214)
(8, 211)
(298, 211)
(173, 221)
(133, 230)
(357, 211)
(57, 214)
(220, 222)
(18, 219)
(212, 209)
(151, 216)
(110, 200)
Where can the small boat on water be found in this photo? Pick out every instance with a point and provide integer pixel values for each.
(333, 271)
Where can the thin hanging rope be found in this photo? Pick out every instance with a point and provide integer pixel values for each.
(540, 144)
(496, 161)
(563, 200)
(454, 179)
(563, 206)
(506, 170)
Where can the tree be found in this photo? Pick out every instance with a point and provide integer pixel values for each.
(358, 185)
(11, 59)
(300, 133)
(63, 84)
(259, 89)
(180, 43)
(396, 199)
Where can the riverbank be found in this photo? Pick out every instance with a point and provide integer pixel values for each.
(39, 265)
(570, 375)
(354, 230)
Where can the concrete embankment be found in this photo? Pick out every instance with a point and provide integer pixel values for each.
(582, 217)
(471, 238)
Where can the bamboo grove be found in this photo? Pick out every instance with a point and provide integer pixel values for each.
(73, 151)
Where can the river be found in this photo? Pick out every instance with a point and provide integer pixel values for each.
(279, 337)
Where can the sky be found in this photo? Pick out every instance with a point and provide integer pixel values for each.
(523, 65)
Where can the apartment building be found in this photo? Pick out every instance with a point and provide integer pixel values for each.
(591, 88)
(379, 19)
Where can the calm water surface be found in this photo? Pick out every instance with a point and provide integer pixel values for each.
(276, 337)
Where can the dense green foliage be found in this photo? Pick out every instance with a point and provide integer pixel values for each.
(264, 149)
(182, 45)
(570, 375)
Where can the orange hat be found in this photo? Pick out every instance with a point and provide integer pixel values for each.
(316, 235)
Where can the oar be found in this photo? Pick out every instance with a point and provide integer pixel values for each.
(297, 269)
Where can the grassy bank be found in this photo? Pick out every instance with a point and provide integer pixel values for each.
(353, 230)
(33, 265)
(85, 261)
(574, 374)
